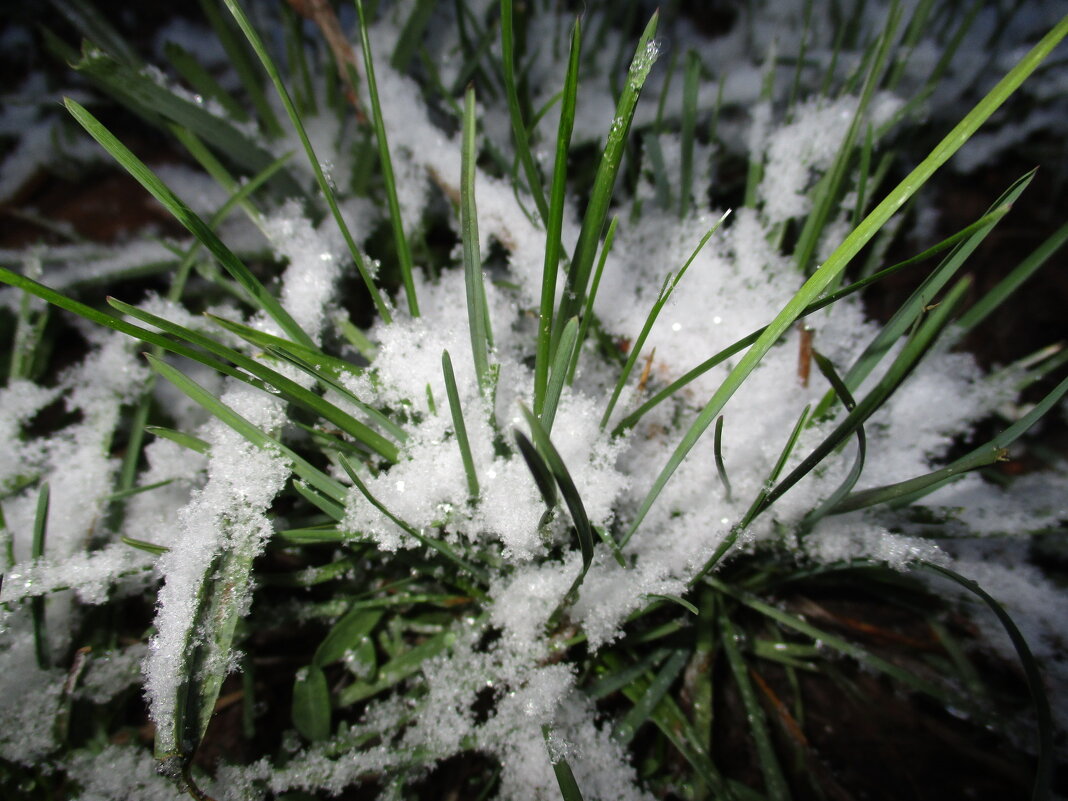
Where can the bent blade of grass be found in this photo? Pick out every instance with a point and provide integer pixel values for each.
(593, 220)
(565, 778)
(554, 223)
(332, 509)
(670, 283)
(268, 342)
(721, 467)
(519, 127)
(271, 379)
(197, 227)
(400, 241)
(37, 603)
(1010, 283)
(311, 474)
(181, 438)
(477, 308)
(459, 427)
(561, 362)
(440, 546)
(632, 419)
(774, 781)
(625, 729)
(543, 477)
(1044, 772)
(346, 634)
(844, 253)
(320, 177)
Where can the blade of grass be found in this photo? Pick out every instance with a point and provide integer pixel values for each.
(774, 781)
(519, 127)
(37, 603)
(844, 253)
(400, 241)
(1044, 771)
(565, 778)
(587, 316)
(689, 129)
(144, 176)
(411, 35)
(543, 477)
(477, 310)
(554, 221)
(459, 428)
(721, 468)
(324, 185)
(202, 81)
(670, 282)
(625, 729)
(183, 439)
(593, 220)
(561, 361)
(311, 703)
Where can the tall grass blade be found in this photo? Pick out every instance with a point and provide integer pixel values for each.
(400, 241)
(844, 253)
(37, 602)
(477, 308)
(689, 129)
(320, 177)
(459, 428)
(587, 315)
(561, 361)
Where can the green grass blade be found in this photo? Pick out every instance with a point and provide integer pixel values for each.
(346, 635)
(721, 467)
(272, 380)
(625, 730)
(315, 477)
(332, 509)
(183, 439)
(240, 59)
(202, 81)
(95, 27)
(774, 781)
(561, 362)
(543, 477)
(440, 546)
(477, 310)
(311, 703)
(37, 602)
(400, 241)
(411, 36)
(593, 220)
(269, 342)
(324, 185)
(844, 253)
(1046, 756)
(670, 283)
(190, 220)
(565, 778)
(554, 222)
(519, 127)
(459, 427)
(587, 315)
(397, 669)
(632, 419)
(1010, 283)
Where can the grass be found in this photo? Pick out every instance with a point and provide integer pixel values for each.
(458, 545)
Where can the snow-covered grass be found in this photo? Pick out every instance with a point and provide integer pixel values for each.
(475, 416)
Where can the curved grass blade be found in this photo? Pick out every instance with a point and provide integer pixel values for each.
(477, 309)
(273, 381)
(1044, 771)
(554, 222)
(324, 185)
(148, 179)
(311, 703)
(37, 603)
(269, 342)
(565, 778)
(774, 781)
(183, 439)
(519, 128)
(332, 509)
(561, 361)
(836, 263)
(593, 220)
(721, 468)
(317, 478)
(459, 428)
(625, 730)
(670, 282)
(345, 635)
(400, 241)
(543, 477)
(397, 669)
(440, 546)
(632, 419)
(675, 599)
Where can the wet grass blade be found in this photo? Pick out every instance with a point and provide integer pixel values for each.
(1046, 756)
(272, 381)
(836, 263)
(543, 477)
(554, 222)
(670, 283)
(459, 428)
(37, 602)
(197, 227)
(400, 241)
(596, 214)
(625, 730)
(519, 127)
(311, 703)
(477, 310)
(270, 342)
(315, 477)
(774, 781)
(325, 188)
(565, 778)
